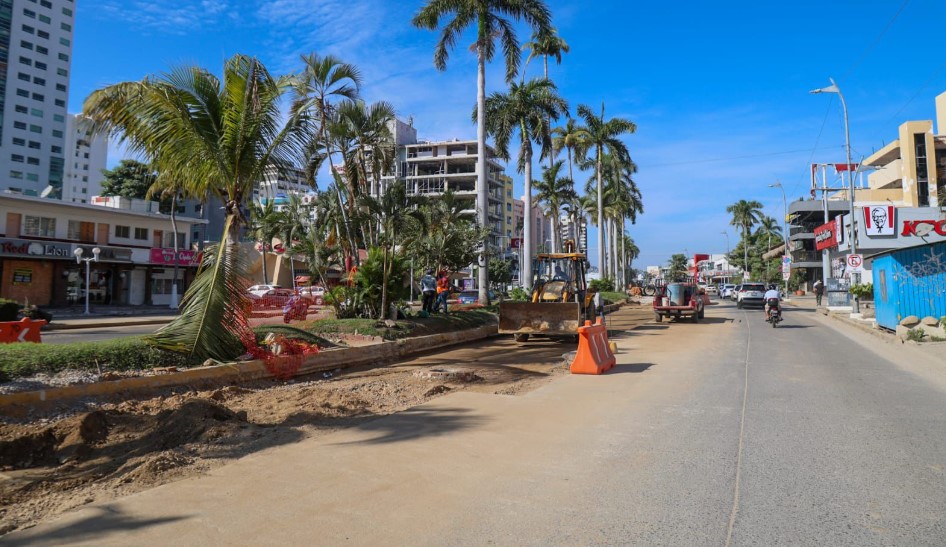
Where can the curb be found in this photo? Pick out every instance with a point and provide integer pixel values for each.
(104, 323)
(21, 402)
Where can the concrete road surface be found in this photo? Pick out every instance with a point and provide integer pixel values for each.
(726, 432)
(95, 334)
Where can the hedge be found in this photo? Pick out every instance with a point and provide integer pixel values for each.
(25, 359)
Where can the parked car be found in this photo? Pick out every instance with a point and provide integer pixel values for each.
(472, 297)
(725, 290)
(734, 292)
(315, 295)
(678, 300)
(260, 290)
(711, 289)
(273, 298)
(751, 294)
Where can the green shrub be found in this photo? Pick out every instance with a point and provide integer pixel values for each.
(862, 290)
(26, 359)
(916, 335)
(611, 297)
(9, 309)
(519, 294)
(601, 285)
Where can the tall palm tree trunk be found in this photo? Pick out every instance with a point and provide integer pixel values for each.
(482, 190)
(745, 249)
(602, 267)
(338, 192)
(527, 224)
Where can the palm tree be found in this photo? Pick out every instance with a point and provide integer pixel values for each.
(768, 228)
(603, 136)
(570, 137)
(547, 44)
(525, 110)
(745, 214)
(554, 191)
(218, 138)
(324, 80)
(492, 20)
(394, 211)
(263, 226)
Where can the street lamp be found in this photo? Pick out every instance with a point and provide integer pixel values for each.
(833, 88)
(79, 260)
(778, 185)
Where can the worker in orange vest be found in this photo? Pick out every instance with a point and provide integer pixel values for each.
(443, 290)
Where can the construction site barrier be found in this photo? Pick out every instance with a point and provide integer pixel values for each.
(24, 330)
(594, 354)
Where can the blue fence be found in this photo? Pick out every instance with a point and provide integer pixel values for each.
(910, 282)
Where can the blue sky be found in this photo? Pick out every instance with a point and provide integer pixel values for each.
(719, 91)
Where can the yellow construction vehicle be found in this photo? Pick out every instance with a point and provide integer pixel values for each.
(560, 300)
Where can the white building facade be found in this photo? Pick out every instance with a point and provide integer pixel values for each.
(86, 157)
(36, 50)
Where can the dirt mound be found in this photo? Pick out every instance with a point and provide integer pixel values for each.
(154, 468)
(79, 434)
(186, 424)
(28, 450)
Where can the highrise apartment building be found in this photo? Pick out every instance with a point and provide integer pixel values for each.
(86, 156)
(35, 60)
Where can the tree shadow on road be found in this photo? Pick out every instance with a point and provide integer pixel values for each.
(417, 422)
(88, 529)
(630, 368)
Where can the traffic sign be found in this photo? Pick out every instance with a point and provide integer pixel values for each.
(855, 262)
(786, 259)
(786, 275)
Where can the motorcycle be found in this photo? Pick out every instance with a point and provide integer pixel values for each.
(774, 315)
(295, 308)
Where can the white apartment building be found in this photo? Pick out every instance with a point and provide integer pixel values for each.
(86, 156)
(36, 51)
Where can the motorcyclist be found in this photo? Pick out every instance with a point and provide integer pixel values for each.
(772, 298)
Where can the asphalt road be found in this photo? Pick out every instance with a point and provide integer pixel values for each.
(726, 432)
(95, 334)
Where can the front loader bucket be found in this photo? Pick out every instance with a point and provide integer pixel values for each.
(551, 318)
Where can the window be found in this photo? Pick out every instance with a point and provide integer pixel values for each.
(29, 13)
(62, 72)
(60, 102)
(67, 12)
(41, 49)
(122, 231)
(57, 149)
(57, 133)
(44, 19)
(141, 233)
(39, 226)
(32, 177)
(38, 97)
(28, 29)
(36, 112)
(19, 125)
(35, 129)
(39, 81)
(65, 26)
(60, 87)
(34, 145)
(22, 93)
(75, 229)
(64, 41)
(26, 61)
(59, 118)
(16, 175)
(45, 3)
(26, 45)
(63, 57)
(32, 161)
(16, 158)
(19, 142)
(40, 65)
(23, 76)
(21, 109)
(42, 34)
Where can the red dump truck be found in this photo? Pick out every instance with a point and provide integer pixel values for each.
(676, 300)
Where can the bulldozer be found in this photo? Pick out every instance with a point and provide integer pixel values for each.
(559, 303)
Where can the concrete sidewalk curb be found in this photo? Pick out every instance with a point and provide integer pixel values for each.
(22, 402)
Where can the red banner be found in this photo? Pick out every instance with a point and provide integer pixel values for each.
(826, 236)
(185, 257)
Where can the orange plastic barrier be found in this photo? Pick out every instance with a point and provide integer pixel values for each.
(594, 355)
(24, 330)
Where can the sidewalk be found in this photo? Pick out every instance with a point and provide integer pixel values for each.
(74, 317)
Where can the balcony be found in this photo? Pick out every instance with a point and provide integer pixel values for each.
(891, 176)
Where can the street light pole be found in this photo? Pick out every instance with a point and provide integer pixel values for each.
(79, 260)
(778, 185)
(833, 88)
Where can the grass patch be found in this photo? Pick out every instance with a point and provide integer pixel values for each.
(611, 297)
(404, 328)
(25, 359)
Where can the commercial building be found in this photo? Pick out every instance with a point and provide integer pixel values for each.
(136, 251)
(901, 204)
(35, 52)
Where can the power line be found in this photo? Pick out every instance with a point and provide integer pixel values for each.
(876, 40)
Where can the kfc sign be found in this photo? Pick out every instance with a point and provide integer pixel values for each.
(921, 228)
(826, 236)
(879, 220)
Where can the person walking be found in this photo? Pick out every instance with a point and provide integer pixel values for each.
(819, 291)
(443, 290)
(428, 288)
